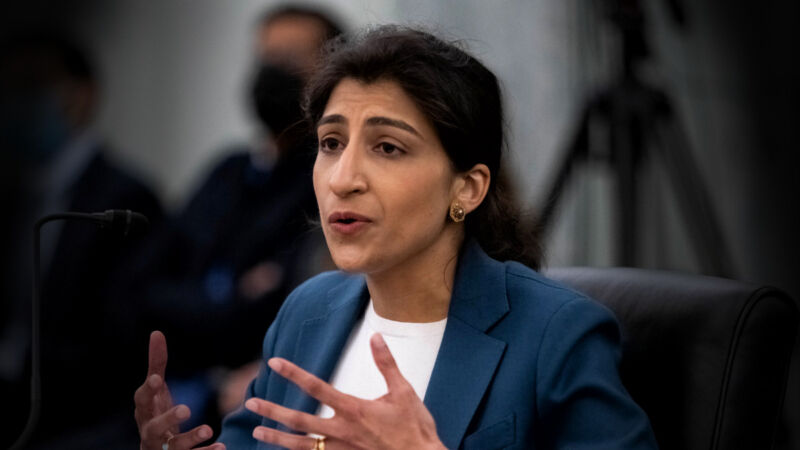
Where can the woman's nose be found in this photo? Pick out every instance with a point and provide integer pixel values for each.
(348, 176)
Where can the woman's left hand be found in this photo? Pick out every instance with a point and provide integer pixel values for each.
(398, 420)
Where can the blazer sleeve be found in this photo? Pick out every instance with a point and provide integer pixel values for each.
(581, 400)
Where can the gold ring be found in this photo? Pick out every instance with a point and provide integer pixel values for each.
(319, 443)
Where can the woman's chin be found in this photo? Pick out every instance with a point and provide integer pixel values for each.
(357, 262)
(349, 263)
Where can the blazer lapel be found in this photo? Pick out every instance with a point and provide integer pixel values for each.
(322, 339)
(468, 357)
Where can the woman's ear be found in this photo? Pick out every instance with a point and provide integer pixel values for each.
(472, 187)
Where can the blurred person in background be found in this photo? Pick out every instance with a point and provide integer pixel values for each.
(51, 160)
(214, 277)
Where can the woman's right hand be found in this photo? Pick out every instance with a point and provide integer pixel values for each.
(158, 419)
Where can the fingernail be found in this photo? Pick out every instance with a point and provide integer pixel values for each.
(154, 380)
(251, 404)
(182, 412)
(275, 364)
(258, 434)
(204, 433)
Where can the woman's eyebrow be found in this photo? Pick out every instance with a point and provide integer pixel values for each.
(332, 118)
(392, 123)
(372, 121)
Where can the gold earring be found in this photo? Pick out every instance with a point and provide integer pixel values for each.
(457, 212)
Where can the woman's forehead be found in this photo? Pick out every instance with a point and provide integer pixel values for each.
(355, 100)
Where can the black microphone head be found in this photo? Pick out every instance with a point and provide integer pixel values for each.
(125, 222)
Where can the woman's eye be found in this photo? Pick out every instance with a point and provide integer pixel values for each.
(329, 144)
(388, 148)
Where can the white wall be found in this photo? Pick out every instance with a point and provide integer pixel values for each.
(175, 72)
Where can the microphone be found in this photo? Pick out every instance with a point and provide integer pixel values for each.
(124, 222)
(120, 221)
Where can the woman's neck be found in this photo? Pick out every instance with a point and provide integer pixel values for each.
(419, 289)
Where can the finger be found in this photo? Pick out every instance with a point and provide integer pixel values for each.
(217, 446)
(386, 364)
(296, 420)
(309, 383)
(156, 429)
(147, 396)
(190, 438)
(162, 400)
(157, 354)
(282, 438)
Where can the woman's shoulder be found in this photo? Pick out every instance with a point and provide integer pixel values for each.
(529, 289)
(531, 297)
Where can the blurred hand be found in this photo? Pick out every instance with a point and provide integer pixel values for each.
(158, 419)
(398, 420)
(260, 279)
(233, 387)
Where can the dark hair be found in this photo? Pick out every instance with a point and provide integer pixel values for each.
(331, 26)
(460, 96)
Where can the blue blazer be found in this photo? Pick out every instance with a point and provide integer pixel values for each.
(524, 362)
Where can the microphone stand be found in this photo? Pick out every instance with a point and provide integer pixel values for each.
(104, 220)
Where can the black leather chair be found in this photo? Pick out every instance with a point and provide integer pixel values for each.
(707, 358)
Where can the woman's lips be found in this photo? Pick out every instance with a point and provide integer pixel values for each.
(348, 223)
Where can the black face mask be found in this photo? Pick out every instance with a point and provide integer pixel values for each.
(275, 95)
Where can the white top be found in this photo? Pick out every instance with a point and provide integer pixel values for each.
(413, 345)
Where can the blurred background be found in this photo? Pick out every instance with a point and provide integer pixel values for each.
(174, 73)
(174, 77)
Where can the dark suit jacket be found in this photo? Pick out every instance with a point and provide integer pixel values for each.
(186, 279)
(524, 362)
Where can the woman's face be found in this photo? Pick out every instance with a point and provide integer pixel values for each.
(382, 179)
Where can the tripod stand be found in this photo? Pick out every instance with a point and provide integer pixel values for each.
(636, 115)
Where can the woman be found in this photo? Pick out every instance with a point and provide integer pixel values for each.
(424, 339)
